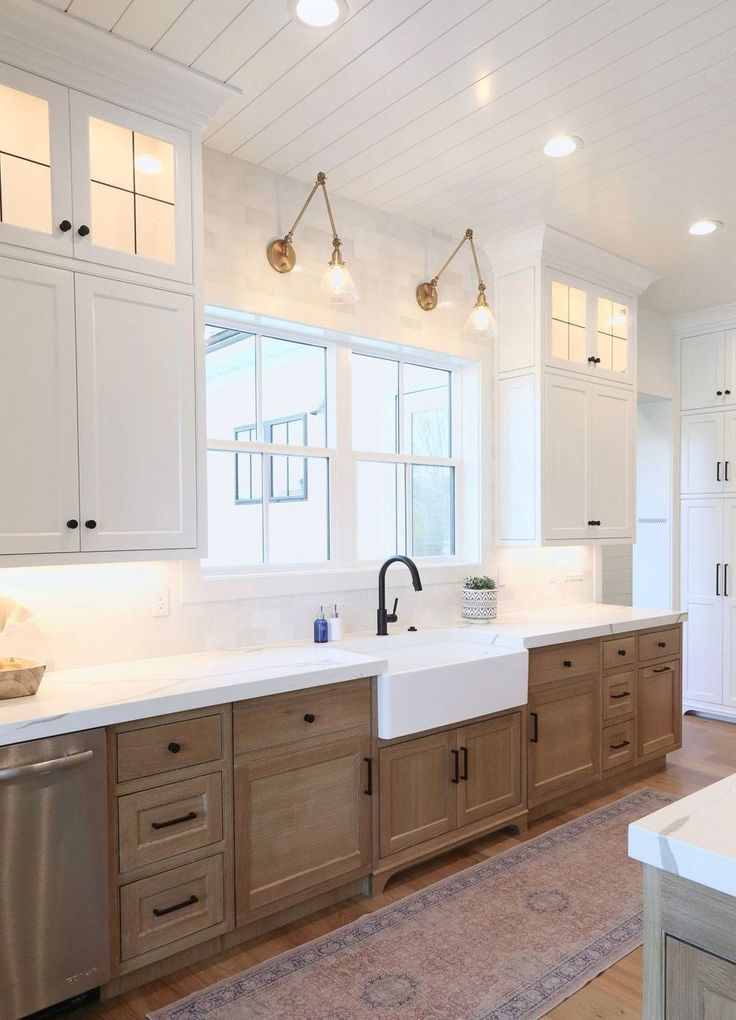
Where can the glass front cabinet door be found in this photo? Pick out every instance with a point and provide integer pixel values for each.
(132, 199)
(589, 330)
(35, 169)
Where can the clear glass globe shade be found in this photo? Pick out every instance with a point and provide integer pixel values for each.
(337, 284)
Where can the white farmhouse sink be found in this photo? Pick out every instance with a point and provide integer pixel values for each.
(439, 677)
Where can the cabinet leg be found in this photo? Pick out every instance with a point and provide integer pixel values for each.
(379, 883)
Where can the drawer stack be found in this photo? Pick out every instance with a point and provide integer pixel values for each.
(171, 834)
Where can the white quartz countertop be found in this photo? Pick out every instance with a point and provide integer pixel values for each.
(694, 838)
(79, 699)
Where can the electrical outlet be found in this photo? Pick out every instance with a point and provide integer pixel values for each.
(160, 606)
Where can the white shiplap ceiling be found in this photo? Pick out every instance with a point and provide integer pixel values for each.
(437, 111)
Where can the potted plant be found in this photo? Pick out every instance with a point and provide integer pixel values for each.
(479, 599)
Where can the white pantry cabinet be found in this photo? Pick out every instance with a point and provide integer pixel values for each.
(708, 453)
(708, 370)
(97, 436)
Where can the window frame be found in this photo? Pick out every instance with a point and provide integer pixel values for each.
(343, 570)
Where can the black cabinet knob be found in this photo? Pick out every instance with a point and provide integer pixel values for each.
(591, 360)
(64, 226)
(597, 361)
(309, 717)
(567, 663)
(622, 651)
(727, 392)
(661, 644)
(174, 747)
(719, 393)
(83, 230)
(91, 525)
(72, 524)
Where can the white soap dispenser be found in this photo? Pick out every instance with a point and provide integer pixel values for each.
(334, 626)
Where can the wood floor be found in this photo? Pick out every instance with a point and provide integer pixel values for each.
(708, 754)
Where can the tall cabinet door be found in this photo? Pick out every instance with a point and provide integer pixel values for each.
(702, 456)
(729, 602)
(566, 462)
(132, 190)
(703, 371)
(137, 437)
(701, 565)
(35, 172)
(39, 509)
(612, 460)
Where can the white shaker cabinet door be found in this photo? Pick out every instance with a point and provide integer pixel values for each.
(702, 458)
(702, 372)
(728, 592)
(611, 462)
(566, 458)
(39, 508)
(701, 568)
(137, 436)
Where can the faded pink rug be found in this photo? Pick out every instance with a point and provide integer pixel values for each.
(507, 939)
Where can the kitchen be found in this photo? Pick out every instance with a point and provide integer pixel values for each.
(366, 551)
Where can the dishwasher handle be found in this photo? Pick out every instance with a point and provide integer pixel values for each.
(37, 768)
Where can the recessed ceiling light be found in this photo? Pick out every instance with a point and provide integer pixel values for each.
(318, 13)
(704, 227)
(562, 145)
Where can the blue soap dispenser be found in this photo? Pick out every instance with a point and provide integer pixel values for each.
(320, 627)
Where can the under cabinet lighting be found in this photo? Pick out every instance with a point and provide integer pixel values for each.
(704, 227)
(318, 13)
(562, 145)
(481, 321)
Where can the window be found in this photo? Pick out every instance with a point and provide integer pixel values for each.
(327, 454)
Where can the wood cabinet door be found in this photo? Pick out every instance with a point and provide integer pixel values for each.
(137, 432)
(565, 467)
(702, 454)
(660, 708)
(611, 462)
(418, 783)
(301, 819)
(38, 411)
(701, 571)
(703, 371)
(698, 984)
(564, 737)
(490, 768)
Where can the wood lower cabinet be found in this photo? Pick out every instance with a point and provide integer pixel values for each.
(490, 754)
(564, 737)
(302, 819)
(660, 708)
(698, 985)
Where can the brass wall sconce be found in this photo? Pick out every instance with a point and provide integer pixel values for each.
(481, 319)
(337, 283)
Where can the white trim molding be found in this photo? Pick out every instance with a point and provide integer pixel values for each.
(706, 320)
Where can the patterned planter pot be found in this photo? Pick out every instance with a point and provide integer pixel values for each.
(479, 604)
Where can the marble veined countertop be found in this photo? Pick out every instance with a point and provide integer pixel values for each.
(79, 699)
(694, 838)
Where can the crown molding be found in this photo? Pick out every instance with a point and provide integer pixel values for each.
(55, 45)
(705, 320)
(572, 254)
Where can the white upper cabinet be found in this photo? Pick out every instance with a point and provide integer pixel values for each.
(132, 190)
(588, 330)
(611, 462)
(136, 417)
(35, 165)
(566, 438)
(703, 381)
(39, 510)
(708, 453)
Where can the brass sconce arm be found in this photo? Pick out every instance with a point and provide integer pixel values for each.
(280, 252)
(427, 292)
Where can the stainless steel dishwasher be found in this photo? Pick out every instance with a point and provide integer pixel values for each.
(53, 871)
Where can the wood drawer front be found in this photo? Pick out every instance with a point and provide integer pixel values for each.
(155, 825)
(147, 920)
(659, 644)
(301, 715)
(560, 662)
(155, 749)
(619, 696)
(619, 652)
(619, 744)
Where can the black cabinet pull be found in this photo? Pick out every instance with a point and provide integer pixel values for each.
(456, 761)
(535, 738)
(465, 763)
(661, 644)
(660, 669)
(567, 663)
(718, 470)
(597, 361)
(90, 524)
(64, 226)
(727, 392)
(725, 580)
(83, 230)
(591, 360)
(177, 906)
(175, 821)
(369, 780)
(622, 651)
(309, 717)
(624, 694)
(617, 747)
(718, 576)
(72, 525)
(725, 471)
(174, 747)
(719, 393)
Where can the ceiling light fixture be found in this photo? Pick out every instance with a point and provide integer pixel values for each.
(704, 227)
(480, 321)
(318, 13)
(337, 283)
(562, 145)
